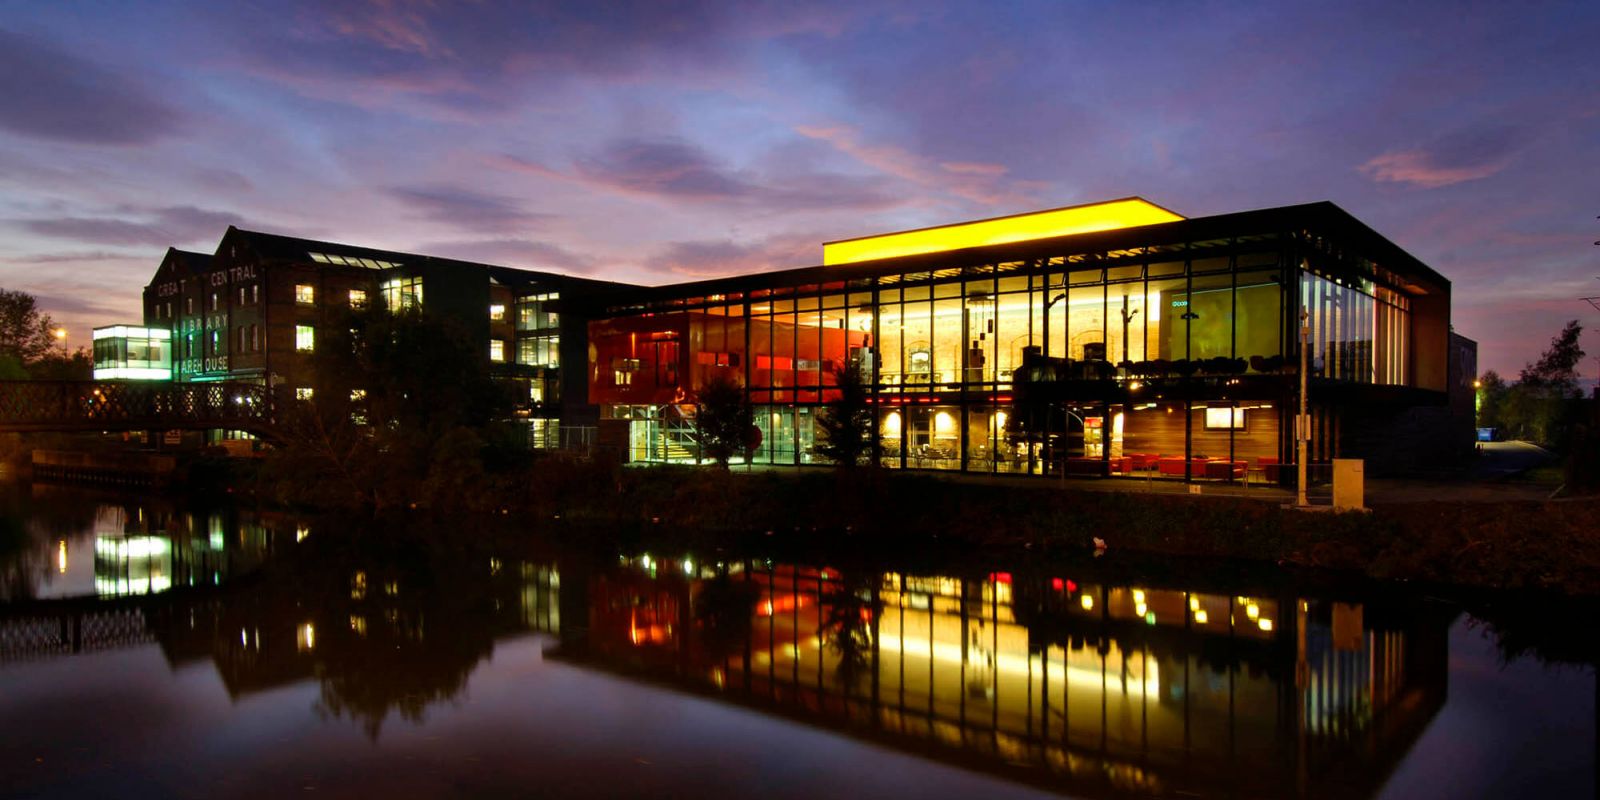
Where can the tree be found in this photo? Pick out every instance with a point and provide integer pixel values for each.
(1556, 371)
(26, 334)
(722, 420)
(1491, 400)
(400, 415)
(1542, 404)
(846, 422)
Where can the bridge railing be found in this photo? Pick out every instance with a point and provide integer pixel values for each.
(104, 405)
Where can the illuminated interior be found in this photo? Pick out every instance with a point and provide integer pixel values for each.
(130, 352)
(1125, 213)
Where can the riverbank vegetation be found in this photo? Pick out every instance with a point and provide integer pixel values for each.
(1545, 405)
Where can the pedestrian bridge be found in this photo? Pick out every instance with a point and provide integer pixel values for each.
(36, 406)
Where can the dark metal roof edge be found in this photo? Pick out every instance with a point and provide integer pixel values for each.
(1274, 219)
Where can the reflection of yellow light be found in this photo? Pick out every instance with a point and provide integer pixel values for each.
(891, 424)
(301, 532)
(1020, 665)
(1140, 608)
(1194, 604)
(1124, 213)
(1252, 611)
(61, 557)
(1200, 616)
(307, 639)
(943, 422)
(1138, 595)
(1266, 624)
(1087, 602)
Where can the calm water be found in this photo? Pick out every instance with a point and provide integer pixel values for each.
(148, 649)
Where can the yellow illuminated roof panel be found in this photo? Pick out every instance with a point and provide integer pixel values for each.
(1125, 213)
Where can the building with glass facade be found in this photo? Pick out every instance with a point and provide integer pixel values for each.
(1115, 339)
(1109, 339)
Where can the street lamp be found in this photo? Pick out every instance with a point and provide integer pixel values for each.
(61, 336)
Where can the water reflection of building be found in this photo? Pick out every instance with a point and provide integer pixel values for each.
(1088, 687)
(391, 631)
(144, 550)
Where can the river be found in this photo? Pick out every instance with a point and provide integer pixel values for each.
(155, 647)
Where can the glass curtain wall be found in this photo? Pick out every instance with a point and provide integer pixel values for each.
(943, 351)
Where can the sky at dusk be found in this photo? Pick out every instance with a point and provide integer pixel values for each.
(657, 142)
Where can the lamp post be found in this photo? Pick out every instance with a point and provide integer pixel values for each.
(1301, 426)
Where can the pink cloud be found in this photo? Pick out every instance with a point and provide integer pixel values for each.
(1418, 168)
(984, 183)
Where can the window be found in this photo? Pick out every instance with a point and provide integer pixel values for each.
(255, 339)
(497, 350)
(358, 298)
(497, 313)
(255, 293)
(241, 295)
(216, 342)
(305, 294)
(305, 338)
(539, 351)
(302, 393)
(188, 305)
(215, 302)
(358, 411)
(533, 312)
(402, 294)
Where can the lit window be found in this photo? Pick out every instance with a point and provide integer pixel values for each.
(402, 294)
(302, 393)
(255, 293)
(497, 313)
(188, 305)
(305, 294)
(358, 411)
(305, 338)
(358, 298)
(497, 350)
(214, 301)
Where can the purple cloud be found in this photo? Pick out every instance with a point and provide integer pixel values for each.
(709, 258)
(49, 93)
(520, 253)
(676, 170)
(163, 227)
(464, 208)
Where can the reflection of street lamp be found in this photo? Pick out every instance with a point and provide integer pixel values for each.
(61, 336)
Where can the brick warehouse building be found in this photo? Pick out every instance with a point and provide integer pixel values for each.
(1112, 339)
(256, 309)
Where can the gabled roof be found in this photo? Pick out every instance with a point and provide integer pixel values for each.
(179, 264)
(290, 248)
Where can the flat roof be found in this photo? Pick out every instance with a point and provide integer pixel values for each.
(1324, 218)
(1126, 212)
